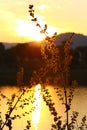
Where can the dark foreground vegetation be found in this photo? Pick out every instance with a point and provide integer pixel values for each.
(28, 56)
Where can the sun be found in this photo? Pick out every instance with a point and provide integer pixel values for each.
(29, 30)
(36, 35)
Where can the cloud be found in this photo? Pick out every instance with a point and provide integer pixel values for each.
(7, 18)
(7, 23)
(4, 14)
(41, 7)
(19, 3)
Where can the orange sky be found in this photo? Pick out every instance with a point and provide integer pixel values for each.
(60, 15)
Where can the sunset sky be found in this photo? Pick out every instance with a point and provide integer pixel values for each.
(60, 16)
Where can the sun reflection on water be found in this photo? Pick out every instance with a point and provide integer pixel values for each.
(37, 105)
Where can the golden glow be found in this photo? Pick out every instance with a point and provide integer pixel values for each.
(22, 27)
(36, 35)
(28, 29)
(37, 105)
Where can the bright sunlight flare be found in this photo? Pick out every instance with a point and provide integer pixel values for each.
(29, 30)
(37, 105)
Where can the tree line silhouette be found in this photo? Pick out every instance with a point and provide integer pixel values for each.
(29, 57)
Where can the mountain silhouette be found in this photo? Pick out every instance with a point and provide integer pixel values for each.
(78, 39)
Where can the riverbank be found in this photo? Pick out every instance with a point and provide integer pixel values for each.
(8, 76)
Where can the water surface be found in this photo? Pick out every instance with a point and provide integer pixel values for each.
(41, 119)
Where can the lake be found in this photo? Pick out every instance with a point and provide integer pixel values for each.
(40, 117)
